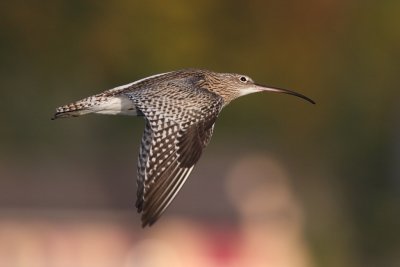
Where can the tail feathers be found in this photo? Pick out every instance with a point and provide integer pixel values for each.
(77, 108)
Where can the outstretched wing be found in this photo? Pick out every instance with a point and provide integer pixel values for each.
(172, 143)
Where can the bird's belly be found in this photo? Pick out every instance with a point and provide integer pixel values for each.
(117, 105)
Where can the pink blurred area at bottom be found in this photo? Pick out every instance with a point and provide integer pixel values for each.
(269, 231)
(32, 242)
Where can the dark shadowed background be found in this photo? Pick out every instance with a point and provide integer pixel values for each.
(283, 182)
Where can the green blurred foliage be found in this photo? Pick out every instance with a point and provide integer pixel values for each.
(343, 54)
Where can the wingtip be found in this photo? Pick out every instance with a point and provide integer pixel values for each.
(147, 221)
(145, 218)
(144, 224)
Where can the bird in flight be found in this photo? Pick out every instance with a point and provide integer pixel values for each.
(180, 109)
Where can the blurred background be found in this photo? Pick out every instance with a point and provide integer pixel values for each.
(283, 182)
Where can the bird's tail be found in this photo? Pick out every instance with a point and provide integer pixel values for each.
(78, 108)
(109, 102)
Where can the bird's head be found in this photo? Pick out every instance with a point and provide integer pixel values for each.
(231, 86)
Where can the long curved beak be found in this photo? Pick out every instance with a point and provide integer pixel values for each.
(284, 91)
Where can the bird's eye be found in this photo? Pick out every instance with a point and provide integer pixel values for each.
(243, 79)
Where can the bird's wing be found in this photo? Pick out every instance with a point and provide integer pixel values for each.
(169, 150)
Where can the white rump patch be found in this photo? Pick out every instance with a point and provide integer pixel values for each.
(119, 105)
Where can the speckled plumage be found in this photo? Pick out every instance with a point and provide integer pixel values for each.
(180, 109)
